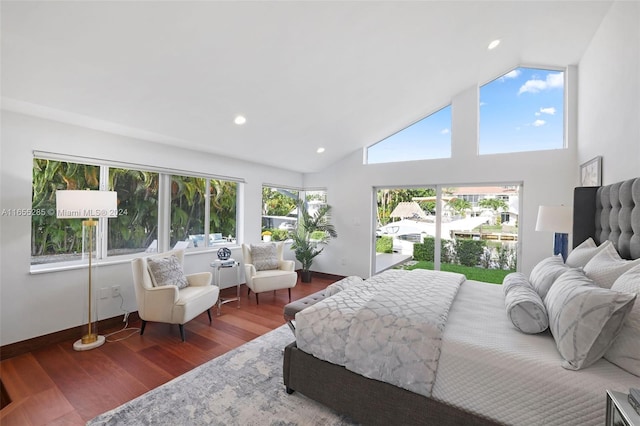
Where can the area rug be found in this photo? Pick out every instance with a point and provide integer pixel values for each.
(241, 387)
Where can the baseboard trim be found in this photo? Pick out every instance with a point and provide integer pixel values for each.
(70, 334)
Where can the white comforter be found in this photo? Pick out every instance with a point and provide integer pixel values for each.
(389, 328)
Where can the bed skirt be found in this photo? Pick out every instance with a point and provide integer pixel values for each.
(366, 401)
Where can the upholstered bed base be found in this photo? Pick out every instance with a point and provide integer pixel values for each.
(364, 400)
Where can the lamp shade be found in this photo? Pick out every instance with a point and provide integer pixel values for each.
(86, 204)
(555, 219)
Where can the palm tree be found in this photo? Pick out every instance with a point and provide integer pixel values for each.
(312, 232)
(494, 204)
(459, 206)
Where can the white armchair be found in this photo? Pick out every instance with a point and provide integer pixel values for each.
(169, 303)
(266, 270)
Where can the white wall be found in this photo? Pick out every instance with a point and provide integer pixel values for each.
(609, 95)
(548, 177)
(37, 304)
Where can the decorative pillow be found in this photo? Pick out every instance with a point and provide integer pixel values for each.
(167, 271)
(584, 319)
(524, 306)
(545, 273)
(582, 254)
(625, 351)
(264, 256)
(514, 279)
(605, 267)
(343, 284)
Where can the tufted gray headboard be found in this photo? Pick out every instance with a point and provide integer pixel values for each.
(610, 212)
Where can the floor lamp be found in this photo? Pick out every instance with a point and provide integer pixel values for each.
(557, 219)
(88, 205)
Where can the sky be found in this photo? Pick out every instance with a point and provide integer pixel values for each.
(520, 111)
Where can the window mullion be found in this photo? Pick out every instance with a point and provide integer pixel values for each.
(207, 211)
(103, 222)
(164, 211)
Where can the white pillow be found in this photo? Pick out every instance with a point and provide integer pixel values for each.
(625, 351)
(524, 306)
(166, 271)
(584, 319)
(606, 266)
(545, 273)
(582, 254)
(264, 256)
(343, 284)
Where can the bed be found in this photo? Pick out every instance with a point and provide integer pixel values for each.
(487, 372)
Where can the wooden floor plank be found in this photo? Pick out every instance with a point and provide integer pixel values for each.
(59, 386)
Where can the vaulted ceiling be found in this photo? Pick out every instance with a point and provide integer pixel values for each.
(334, 74)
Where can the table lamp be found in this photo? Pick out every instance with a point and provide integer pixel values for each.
(557, 219)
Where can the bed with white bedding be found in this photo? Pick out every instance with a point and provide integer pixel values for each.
(487, 366)
(488, 371)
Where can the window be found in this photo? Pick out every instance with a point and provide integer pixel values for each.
(522, 111)
(52, 239)
(202, 210)
(478, 240)
(194, 225)
(428, 138)
(136, 227)
(187, 211)
(223, 213)
(279, 211)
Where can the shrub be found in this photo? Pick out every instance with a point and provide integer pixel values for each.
(384, 245)
(426, 249)
(279, 234)
(469, 251)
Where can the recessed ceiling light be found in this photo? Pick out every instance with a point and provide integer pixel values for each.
(493, 44)
(240, 120)
(320, 150)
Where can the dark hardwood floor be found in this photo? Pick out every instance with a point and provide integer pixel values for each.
(59, 386)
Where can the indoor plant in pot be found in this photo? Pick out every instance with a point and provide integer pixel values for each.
(313, 232)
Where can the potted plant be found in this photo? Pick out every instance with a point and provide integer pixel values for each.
(266, 236)
(313, 232)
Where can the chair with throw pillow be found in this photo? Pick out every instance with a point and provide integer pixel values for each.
(165, 294)
(266, 270)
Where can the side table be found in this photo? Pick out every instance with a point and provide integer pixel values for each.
(219, 265)
(620, 411)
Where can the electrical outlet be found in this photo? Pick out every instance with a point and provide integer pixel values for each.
(115, 291)
(104, 293)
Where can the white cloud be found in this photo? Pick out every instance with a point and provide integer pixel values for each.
(550, 111)
(511, 74)
(538, 123)
(536, 85)
(537, 114)
(444, 132)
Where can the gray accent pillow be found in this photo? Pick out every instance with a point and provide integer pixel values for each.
(264, 256)
(343, 284)
(167, 271)
(625, 350)
(584, 319)
(606, 266)
(582, 254)
(545, 273)
(524, 306)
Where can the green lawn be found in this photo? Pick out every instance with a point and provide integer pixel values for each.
(478, 274)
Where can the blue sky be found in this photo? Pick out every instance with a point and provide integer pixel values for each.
(520, 111)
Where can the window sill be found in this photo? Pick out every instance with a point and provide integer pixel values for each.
(115, 260)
